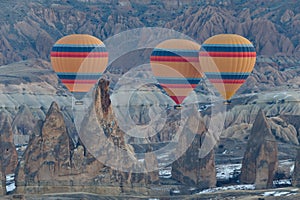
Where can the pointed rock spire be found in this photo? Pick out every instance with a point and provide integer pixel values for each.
(8, 153)
(296, 173)
(260, 159)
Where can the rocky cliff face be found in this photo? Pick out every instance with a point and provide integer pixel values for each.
(52, 163)
(260, 159)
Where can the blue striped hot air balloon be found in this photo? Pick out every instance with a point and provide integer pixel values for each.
(79, 61)
(175, 65)
(227, 60)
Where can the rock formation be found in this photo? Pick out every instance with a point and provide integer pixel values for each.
(283, 130)
(260, 159)
(23, 125)
(296, 173)
(47, 158)
(191, 168)
(52, 164)
(26, 26)
(24, 121)
(109, 145)
(8, 153)
(2, 184)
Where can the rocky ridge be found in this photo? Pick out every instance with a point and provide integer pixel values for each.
(37, 25)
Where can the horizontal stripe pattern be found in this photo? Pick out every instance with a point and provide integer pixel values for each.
(79, 61)
(164, 85)
(227, 54)
(79, 54)
(227, 76)
(178, 88)
(227, 48)
(75, 73)
(79, 64)
(67, 48)
(175, 52)
(70, 81)
(227, 61)
(175, 65)
(188, 81)
(230, 81)
(79, 76)
(174, 59)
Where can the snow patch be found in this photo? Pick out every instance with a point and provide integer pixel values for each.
(232, 187)
(225, 172)
(280, 193)
(165, 172)
(10, 182)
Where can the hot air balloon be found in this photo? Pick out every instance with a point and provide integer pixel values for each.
(175, 65)
(227, 60)
(79, 61)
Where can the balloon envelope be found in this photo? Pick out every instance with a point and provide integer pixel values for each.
(175, 65)
(227, 60)
(79, 61)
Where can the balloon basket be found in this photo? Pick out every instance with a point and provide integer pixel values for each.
(78, 102)
(178, 107)
(227, 102)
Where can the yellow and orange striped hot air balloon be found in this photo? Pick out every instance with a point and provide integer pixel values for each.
(79, 61)
(227, 60)
(175, 65)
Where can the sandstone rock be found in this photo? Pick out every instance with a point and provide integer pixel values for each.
(47, 157)
(52, 164)
(260, 159)
(287, 16)
(108, 145)
(2, 184)
(25, 27)
(283, 131)
(8, 155)
(23, 125)
(191, 168)
(296, 173)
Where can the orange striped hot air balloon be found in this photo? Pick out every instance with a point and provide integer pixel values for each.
(79, 61)
(175, 65)
(227, 60)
